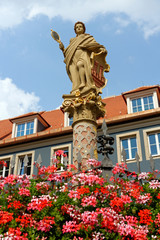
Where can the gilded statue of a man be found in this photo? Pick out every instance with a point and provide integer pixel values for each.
(78, 56)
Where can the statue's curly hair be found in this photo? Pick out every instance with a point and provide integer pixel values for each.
(82, 24)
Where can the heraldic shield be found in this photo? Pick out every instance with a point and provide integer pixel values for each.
(98, 67)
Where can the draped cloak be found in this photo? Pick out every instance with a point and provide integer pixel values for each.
(87, 45)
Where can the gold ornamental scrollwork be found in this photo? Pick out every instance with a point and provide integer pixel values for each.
(78, 101)
(86, 106)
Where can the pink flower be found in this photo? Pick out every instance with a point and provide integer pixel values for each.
(90, 218)
(143, 175)
(131, 220)
(45, 224)
(154, 184)
(60, 153)
(142, 199)
(97, 236)
(89, 201)
(126, 229)
(11, 179)
(1, 185)
(42, 186)
(40, 203)
(73, 211)
(55, 177)
(79, 238)
(94, 162)
(74, 194)
(126, 199)
(141, 233)
(87, 179)
(24, 192)
(119, 168)
(70, 226)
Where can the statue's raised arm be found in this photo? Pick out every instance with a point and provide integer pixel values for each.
(85, 61)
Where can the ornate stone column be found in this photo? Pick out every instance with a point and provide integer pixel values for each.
(85, 66)
(85, 108)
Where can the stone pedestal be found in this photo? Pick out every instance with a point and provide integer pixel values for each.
(85, 108)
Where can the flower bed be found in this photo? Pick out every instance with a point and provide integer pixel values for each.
(80, 206)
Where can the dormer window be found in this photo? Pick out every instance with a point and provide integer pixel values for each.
(25, 129)
(142, 104)
(28, 124)
(142, 99)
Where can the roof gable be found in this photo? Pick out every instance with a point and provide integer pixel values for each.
(139, 89)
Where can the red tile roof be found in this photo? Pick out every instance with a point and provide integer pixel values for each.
(5, 129)
(25, 115)
(115, 106)
(116, 111)
(141, 89)
(55, 118)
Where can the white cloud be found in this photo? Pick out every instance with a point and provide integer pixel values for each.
(121, 21)
(15, 101)
(145, 13)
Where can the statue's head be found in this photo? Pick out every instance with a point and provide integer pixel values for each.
(79, 26)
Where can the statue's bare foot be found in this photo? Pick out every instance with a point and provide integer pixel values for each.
(81, 85)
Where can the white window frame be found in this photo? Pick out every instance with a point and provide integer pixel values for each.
(61, 147)
(66, 120)
(25, 128)
(129, 146)
(23, 154)
(157, 144)
(120, 137)
(142, 94)
(142, 103)
(5, 158)
(15, 126)
(146, 134)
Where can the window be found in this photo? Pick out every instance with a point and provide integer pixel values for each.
(67, 121)
(151, 137)
(142, 100)
(70, 121)
(24, 163)
(130, 147)
(5, 170)
(130, 142)
(28, 124)
(63, 160)
(154, 143)
(142, 104)
(25, 129)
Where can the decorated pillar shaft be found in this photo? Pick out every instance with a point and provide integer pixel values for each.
(85, 108)
(84, 140)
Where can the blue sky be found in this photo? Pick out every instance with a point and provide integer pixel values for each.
(32, 72)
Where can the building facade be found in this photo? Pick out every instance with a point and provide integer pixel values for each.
(133, 119)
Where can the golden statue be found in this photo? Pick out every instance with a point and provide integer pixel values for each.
(85, 60)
